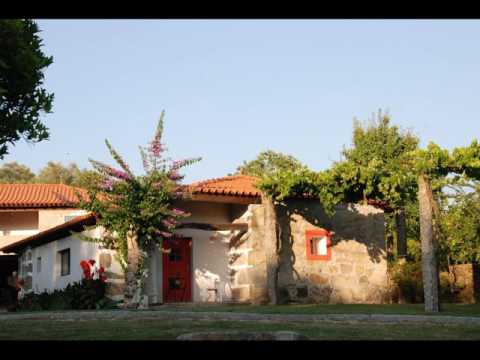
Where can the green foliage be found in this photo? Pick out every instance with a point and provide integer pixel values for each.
(52, 173)
(436, 161)
(377, 166)
(22, 96)
(82, 295)
(408, 277)
(137, 206)
(15, 173)
(270, 162)
(461, 225)
(56, 173)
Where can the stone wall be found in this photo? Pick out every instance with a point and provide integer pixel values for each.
(241, 252)
(356, 271)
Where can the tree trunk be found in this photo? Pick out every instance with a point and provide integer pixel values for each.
(270, 246)
(401, 229)
(429, 253)
(132, 290)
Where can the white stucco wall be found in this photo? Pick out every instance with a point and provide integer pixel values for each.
(49, 277)
(209, 264)
(48, 218)
(17, 225)
(206, 212)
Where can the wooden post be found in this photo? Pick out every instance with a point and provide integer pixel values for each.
(429, 256)
(270, 247)
(401, 230)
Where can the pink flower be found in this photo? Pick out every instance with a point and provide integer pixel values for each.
(164, 233)
(156, 147)
(174, 175)
(120, 174)
(178, 212)
(108, 184)
(169, 222)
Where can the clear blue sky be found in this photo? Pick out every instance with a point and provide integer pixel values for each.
(231, 89)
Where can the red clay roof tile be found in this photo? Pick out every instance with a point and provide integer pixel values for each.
(38, 195)
(235, 185)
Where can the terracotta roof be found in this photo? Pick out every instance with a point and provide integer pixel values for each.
(235, 185)
(57, 232)
(38, 195)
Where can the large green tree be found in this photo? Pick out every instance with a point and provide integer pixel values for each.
(56, 173)
(15, 173)
(269, 162)
(22, 96)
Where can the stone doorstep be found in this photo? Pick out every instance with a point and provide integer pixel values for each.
(185, 315)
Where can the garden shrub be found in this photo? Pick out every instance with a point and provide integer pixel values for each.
(82, 295)
(408, 279)
(87, 294)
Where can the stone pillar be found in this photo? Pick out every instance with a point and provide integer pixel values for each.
(270, 244)
(429, 256)
(257, 258)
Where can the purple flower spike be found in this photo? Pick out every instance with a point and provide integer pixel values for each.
(156, 147)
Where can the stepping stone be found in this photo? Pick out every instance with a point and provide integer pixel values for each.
(242, 335)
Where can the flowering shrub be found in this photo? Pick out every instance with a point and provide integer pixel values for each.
(90, 271)
(136, 207)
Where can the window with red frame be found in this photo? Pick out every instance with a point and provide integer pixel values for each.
(318, 244)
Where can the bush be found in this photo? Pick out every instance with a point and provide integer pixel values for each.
(408, 278)
(409, 281)
(82, 295)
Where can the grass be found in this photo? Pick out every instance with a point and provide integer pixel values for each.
(148, 329)
(311, 309)
(151, 329)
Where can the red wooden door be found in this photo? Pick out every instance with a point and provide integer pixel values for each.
(177, 285)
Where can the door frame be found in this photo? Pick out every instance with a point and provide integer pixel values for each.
(189, 275)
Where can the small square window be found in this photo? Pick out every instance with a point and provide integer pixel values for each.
(39, 264)
(64, 262)
(318, 244)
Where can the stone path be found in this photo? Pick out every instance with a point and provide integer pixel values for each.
(222, 316)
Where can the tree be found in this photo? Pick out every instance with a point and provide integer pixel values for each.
(84, 178)
(56, 173)
(22, 96)
(15, 173)
(136, 211)
(461, 225)
(269, 162)
(377, 167)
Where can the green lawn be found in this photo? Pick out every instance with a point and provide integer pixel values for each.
(151, 329)
(170, 329)
(404, 309)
